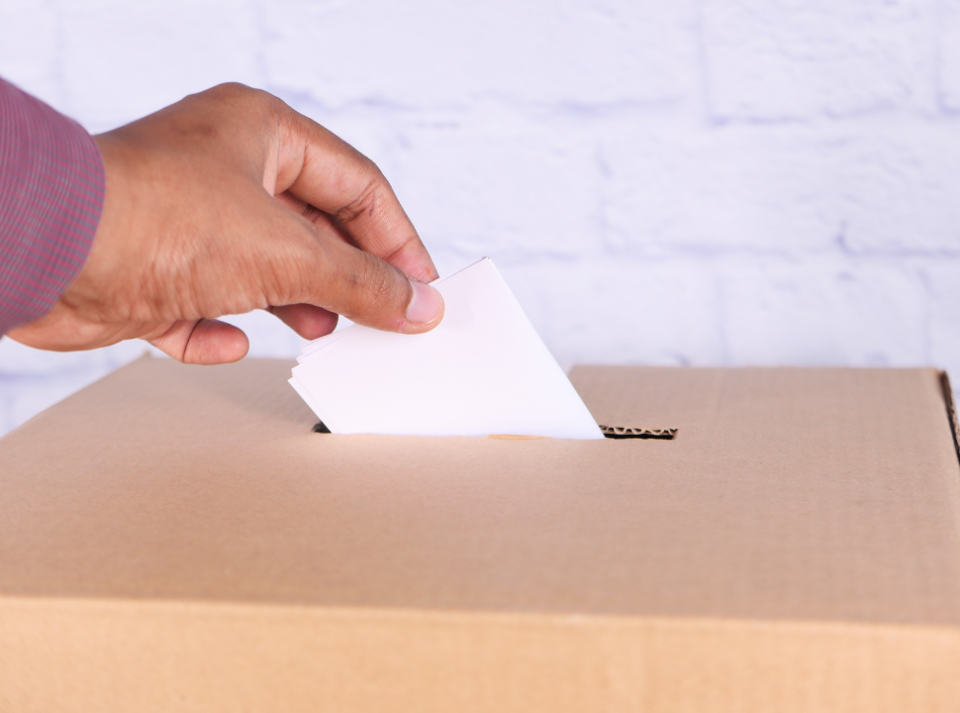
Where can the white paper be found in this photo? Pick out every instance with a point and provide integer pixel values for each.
(482, 371)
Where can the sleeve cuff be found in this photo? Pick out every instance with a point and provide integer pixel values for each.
(52, 186)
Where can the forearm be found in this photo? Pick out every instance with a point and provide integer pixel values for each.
(51, 198)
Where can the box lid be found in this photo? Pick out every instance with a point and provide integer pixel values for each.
(788, 494)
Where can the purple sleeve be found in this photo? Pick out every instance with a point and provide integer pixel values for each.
(51, 195)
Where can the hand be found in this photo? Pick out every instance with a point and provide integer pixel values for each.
(230, 201)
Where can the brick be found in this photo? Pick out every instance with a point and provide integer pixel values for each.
(29, 56)
(674, 186)
(432, 53)
(622, 311)
(884, 187)
(773, 60)
(948, 44)
(898, 188)
(124, 60)
(517, 191)
(942, 279)
(823, 312)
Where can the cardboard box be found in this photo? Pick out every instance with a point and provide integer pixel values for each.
(178, 539)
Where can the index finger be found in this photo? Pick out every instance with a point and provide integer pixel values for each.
(320, 168)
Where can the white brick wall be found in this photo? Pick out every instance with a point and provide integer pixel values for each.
(684, 182)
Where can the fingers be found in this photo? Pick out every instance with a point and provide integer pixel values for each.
(325, 172)
(322, 220)
(329, 273)
(204, 341)
(308, 321)
(372, 292)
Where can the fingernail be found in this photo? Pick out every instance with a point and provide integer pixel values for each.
(425, 306)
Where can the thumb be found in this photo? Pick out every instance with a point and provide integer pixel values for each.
(370, 291)
(202, 341)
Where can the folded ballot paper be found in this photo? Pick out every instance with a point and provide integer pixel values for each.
(483, 371)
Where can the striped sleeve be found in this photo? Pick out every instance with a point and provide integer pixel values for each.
(51, 195)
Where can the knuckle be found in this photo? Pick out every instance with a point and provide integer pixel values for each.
(230, 89)
(366, 202)
(378, 284)
(244, 98)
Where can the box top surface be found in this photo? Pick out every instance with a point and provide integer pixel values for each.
(790, 494)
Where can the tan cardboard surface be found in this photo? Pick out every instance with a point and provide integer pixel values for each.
(179, 531)
(827, 494)
(94, 655)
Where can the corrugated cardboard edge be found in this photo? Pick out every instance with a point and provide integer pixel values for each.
(950, 403)
(120, 655)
